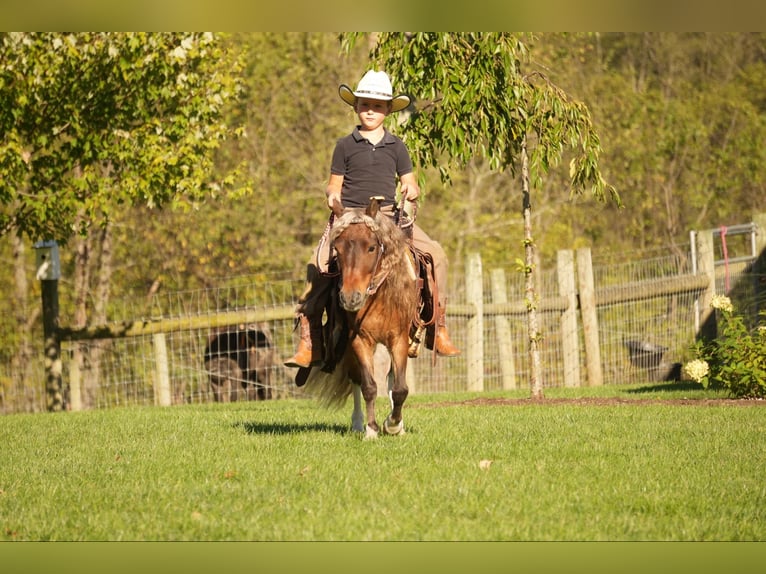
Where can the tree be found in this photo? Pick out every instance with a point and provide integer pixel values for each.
(93, 123)
(475, 98)
(293, 116)
(683, 115)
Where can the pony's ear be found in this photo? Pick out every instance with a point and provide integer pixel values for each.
(372, 209)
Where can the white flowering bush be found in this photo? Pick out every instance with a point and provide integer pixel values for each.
(722, 303)
(736, 359)
(697, 370)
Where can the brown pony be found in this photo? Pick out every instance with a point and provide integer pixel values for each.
(378, 299)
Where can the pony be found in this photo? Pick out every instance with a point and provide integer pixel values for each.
(377, 299)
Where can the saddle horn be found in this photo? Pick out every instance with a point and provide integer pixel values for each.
(375, 201)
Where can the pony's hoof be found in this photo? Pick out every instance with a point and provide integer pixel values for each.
(393, 429)
(355, 427)
(357, 424)
(370, 433)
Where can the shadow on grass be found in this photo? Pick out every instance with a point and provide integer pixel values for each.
(284, 429)
(670, 386)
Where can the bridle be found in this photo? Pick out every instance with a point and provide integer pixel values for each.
(376, 274)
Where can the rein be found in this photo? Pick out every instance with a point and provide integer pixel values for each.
(377, 277)
(324, 270)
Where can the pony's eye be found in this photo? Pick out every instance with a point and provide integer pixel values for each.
(370, 249)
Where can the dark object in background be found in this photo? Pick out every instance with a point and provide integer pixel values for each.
(649, 356)
(240, 362)
(645, 355)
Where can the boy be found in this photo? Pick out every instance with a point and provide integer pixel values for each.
(367, 163)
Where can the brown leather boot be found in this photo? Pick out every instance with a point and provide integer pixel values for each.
(309, 353)
(442, 343)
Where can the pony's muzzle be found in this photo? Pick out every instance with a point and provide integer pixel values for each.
(352, 301)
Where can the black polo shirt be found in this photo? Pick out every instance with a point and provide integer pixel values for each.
(368, 169)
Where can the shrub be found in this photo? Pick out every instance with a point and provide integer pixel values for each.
(736, 359)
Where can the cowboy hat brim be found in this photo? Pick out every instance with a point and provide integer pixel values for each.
(398, 103)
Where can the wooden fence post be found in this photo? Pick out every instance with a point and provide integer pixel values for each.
(75, 384)
(759, 266)
(589, 317)
(54, 384)
(162, 386)
(48, 273)
(706, 266)
(570, 345)
(475, 324)
(503, 332)
(381, 365)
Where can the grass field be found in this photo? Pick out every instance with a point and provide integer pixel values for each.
(611, 463)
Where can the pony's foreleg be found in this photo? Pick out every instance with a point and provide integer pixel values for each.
(397, 391)
(389, 427)
(369, 392)
(363, 351)
(357, 417)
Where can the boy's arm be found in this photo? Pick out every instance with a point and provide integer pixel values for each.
(333, 190)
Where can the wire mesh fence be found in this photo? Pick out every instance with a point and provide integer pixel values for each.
(637, 336)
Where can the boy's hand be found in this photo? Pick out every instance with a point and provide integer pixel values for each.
(333, 192)
(334, 203)
(410, 191)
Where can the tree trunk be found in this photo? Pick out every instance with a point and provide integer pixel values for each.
(103, 279)
(23, 320)
(93, 264)
(530, 294)
(81, 285)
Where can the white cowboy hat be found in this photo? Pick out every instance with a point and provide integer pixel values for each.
(376, 86)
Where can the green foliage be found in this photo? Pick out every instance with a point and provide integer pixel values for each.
(679, 115)
(736, 359)
(92, 122)
(290, 470)
(293, 117)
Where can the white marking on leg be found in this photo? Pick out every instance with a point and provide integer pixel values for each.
(357, 417)
(391, 384)
(392, 429)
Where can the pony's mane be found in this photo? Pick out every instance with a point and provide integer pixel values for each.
(352, 216)
(382, 226)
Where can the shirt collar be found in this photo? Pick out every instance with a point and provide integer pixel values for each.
(388, 138)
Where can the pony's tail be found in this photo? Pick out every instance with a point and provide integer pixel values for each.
(331, 389)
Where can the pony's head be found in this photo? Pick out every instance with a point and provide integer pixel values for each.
(364, 241)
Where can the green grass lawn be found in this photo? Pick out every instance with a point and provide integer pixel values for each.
(291, 470)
